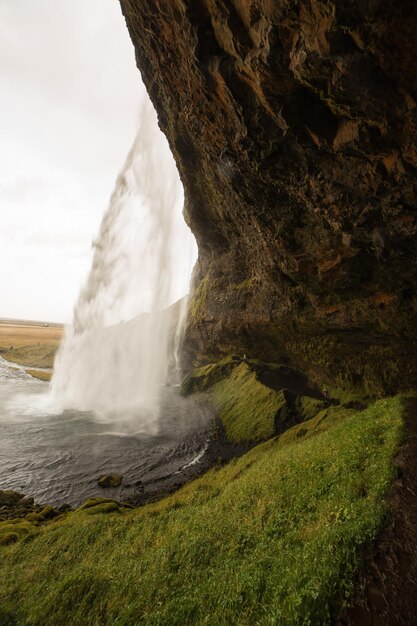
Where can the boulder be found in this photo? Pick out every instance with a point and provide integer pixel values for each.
(110, 480)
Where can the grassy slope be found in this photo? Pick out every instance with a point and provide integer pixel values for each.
(246, 407)
(30, 345)
(249, 410)
(34, 355)
(40, 375)
(272, 538)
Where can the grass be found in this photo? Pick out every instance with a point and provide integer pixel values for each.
(30, 345)
(246, 407)
(41, 375)
(250, 411)
(206, 376)
(272, 538)
(42, 355)
(21, 334)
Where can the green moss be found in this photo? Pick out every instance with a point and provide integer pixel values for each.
(35, 518)
(108, 507)
(95, 506)
(197, 307)
(206, 376)
(247, 408)
(308, 407)
(110, 480)
(246, 284)
(93, 502)
(48, 512)
(19, 527)
(10, 498)
(367, 370)
(274, 537)
(39, 516)
(8, 538)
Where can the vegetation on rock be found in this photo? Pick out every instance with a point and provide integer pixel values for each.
(247, 408)
(110, 480)
(250, 410)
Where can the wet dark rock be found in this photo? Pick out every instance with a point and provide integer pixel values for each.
(293, 125)
(64, 508)
(21, 516)
(27, 501)
(110, 480)
(15, 505)
(9, 499)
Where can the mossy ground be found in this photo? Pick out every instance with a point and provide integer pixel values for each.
(206, 376)
(274, 537)
(23, 521)
(250, 410)
(247, 408)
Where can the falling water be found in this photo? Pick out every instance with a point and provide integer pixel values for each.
(116, 355)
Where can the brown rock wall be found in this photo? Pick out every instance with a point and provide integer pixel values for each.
(293, 127)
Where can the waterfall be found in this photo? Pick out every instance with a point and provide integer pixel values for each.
(115, 356)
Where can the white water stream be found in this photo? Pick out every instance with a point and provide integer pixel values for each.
(142, 263)
(109, 408)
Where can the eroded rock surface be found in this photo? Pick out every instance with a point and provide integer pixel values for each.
(293, 127)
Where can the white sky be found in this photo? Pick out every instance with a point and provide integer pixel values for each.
(68, 115)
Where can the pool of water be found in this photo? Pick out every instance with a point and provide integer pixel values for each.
(57, 457)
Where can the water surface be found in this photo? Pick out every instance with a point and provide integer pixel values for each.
(57, 457)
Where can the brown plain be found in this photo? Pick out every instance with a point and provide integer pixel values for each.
(19, 334)
(30, 344)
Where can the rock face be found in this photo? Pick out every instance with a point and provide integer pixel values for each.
(293, 126)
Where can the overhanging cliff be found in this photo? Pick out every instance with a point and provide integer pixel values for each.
(293, 127)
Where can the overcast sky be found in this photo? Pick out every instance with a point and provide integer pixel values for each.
(68, 115)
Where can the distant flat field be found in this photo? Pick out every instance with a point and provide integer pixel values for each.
(31, 344)
(17, 333)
